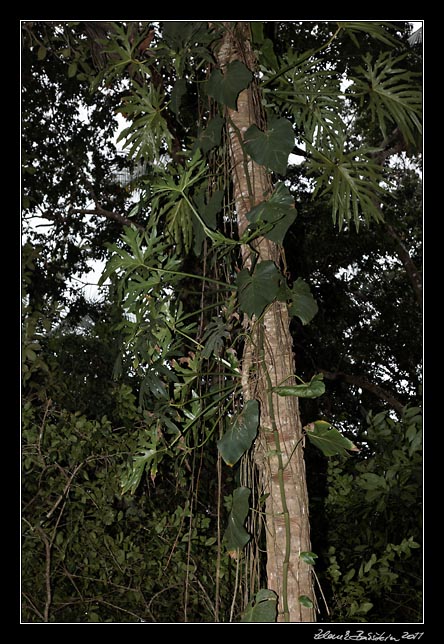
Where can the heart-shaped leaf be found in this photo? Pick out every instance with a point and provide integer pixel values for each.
(211, 136)
(258, 290)
(302, 303)
(263, 608)
(236, 537)
(239, 438)
(225, 88)
(278, 210)
(272, 147)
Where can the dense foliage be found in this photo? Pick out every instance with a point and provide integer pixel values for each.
(126, 400)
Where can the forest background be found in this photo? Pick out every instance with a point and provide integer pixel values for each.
(133, 474)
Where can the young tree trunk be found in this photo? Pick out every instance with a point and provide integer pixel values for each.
(268, 361)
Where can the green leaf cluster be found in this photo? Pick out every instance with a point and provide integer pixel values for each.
(179, 361)
(380, 537)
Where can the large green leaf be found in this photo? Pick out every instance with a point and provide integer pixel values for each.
(211, 136)
(301, 302)
(312, 389)
(263, 608)
(394, 94)
(236, 537)
(239, 438)
(148, 128)
(379, 30)
(278, 210)
(328, 439)
(258, 290)
(272, 147)
(352, 178)
(225, 88)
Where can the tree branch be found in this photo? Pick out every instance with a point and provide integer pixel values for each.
(409, 265)
(363, 383)
(101, 212)
(48, 598)
(393, 144)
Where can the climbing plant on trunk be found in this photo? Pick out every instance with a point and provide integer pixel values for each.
(267, 359)
(214, 111)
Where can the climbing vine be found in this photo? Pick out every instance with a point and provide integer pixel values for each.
(203, 280)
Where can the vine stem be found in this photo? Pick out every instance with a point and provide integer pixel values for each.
(285, 512)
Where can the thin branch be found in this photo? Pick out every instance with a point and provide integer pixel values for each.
(394, 143)
(102, 212)
(300, 152)
(42, 427)
(363, 383)
(409, 265)
(34, 608)
(70, 480)
(47, 573)
(65, 491)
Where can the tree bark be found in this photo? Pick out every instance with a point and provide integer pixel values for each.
(267, 361)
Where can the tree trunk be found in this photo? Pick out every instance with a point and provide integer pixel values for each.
(268, 361)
